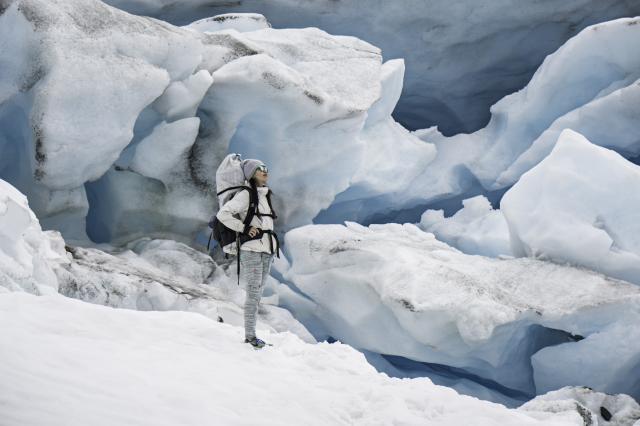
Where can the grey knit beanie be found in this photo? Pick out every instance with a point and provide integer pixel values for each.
(249, 167)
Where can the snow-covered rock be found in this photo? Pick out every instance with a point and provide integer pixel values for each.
(394, 289)
(29, 257)
(185, 369)
(122, 120)
(475, 229)
(596, 408)
(579, 205)
(462, 55)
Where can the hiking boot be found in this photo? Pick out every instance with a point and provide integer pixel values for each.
(255, 342)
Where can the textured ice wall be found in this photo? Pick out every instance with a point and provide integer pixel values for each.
(462, 55)
(590, 85)
(122, 120)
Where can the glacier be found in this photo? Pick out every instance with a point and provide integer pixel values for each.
(601, 93)
(564, 209)
(176, 361)
(170, 102)
(590, 84)
(112, 126)
(344, 124)
(462, 56)
(395, 290)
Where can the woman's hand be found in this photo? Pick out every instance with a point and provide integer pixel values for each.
(253, 231)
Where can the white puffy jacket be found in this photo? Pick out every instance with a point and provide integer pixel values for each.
(238, 206)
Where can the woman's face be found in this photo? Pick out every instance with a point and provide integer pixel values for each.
(261, 177)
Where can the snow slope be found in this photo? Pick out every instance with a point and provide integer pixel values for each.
(169, 368)
(519, 323)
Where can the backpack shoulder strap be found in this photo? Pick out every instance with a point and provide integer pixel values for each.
(230, 188)
(272, 213)
(253, 205)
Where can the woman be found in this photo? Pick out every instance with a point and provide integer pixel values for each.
(257, 250)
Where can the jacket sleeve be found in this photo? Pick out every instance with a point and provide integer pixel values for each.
(239, 203)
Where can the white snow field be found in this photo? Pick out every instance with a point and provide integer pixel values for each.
(462, 55)
(123, 119)
(578, 205)
(67, 362)
(525, 325)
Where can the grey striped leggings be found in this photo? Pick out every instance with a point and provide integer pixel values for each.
(254, 270)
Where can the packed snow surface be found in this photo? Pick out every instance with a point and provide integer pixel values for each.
(67, 362)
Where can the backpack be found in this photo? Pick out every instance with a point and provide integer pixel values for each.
(230, 181)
